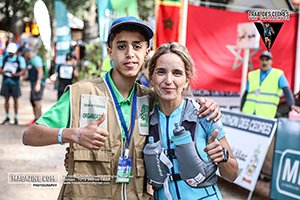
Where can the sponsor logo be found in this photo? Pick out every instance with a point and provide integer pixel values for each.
(288, 177)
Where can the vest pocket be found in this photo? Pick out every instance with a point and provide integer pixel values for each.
(139, 162)
(139, 173)
(95, 166)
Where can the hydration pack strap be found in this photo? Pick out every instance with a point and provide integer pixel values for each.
(166, 188)
(169, 152)
(175, 177)
(164, 159)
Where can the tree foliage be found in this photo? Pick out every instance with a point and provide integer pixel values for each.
(13, 10)
(146, 8)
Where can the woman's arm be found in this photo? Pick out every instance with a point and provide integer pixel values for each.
(229, 169)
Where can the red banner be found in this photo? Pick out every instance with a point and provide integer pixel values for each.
(167, 22)
(210, 30)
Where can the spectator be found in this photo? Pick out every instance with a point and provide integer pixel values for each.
(36, 77)
(67, 73)
(263, 89)
(12, 66)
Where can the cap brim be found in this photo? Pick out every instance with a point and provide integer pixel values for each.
(266, 56)
(142, 26)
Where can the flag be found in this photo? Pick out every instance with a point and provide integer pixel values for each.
(63, 31)
(210, 30)
(42, 18)
(168, 21)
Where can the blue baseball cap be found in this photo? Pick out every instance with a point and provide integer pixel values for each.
(133, 22)
(266, 54)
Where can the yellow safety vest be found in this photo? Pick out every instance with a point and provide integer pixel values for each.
(263, 99)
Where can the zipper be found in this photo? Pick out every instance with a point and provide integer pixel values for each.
(170, 157)
(123, 187)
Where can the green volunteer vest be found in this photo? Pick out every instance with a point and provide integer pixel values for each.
(263, 99)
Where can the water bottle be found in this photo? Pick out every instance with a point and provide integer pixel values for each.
(156, 170)
(193, 168)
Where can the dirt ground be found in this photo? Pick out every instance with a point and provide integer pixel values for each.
(17, 158)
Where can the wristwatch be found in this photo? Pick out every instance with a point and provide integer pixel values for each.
(226, 155)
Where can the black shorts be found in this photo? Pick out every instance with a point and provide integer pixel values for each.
(36, 96)
(10, 90)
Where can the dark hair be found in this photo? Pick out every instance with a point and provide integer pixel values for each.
(126, 27)
(69, 56)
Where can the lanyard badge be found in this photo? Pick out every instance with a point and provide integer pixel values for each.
(125, 162)
(124, 168)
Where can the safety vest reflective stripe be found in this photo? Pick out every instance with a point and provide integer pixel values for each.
(262, 102)
(265, 93)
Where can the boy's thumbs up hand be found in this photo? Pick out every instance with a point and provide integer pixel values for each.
(91, 136)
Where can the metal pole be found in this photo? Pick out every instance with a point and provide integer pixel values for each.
(184, 21)
(297, 67)
(245, 71)
(250, 195)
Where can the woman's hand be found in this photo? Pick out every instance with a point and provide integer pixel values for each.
(228, 169)
(214, 148)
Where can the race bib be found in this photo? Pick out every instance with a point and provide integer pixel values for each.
(143, 114)
(91, 108)
(66, 72)
(29, 66)
(10, 67)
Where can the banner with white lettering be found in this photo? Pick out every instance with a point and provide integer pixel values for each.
(249, 137)
(286, 170)
(63, 32)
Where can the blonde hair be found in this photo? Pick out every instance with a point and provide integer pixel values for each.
(178, 49)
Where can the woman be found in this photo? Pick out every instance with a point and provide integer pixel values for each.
(170, 72)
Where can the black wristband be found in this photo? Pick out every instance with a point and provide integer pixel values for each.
(226, 155)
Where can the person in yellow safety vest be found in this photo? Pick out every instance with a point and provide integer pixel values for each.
(264, 88)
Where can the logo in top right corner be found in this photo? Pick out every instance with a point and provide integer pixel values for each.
(268, 24)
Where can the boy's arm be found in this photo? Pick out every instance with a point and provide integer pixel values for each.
(209, 106)
(89, 136)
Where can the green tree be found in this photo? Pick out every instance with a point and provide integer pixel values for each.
(146, 8)
(12, 11)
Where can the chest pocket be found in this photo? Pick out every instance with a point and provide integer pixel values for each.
(93, 172)
(93, 163)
